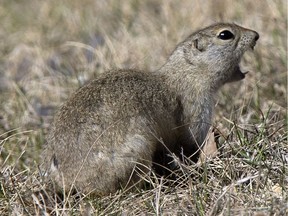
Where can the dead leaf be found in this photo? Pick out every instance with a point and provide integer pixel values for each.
(210, 147)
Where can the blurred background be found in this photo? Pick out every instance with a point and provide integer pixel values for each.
(48, 49)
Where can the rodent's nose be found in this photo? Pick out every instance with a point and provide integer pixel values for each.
(256, 36)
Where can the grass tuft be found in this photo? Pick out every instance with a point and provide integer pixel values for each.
(48, 49)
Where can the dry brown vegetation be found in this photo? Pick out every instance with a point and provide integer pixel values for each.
(50, 48)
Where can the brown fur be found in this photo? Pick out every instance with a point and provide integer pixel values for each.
(121, 123)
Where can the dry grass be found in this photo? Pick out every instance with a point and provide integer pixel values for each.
(50, 48)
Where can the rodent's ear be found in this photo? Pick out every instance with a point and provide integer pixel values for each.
(193, 47)
(200, 43)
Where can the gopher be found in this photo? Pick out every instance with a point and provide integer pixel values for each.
(122, 124)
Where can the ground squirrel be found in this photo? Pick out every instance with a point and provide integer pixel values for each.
(125, 121)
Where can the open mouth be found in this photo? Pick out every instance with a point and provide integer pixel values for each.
(239, 73)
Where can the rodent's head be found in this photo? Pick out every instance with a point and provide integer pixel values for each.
(218, 49)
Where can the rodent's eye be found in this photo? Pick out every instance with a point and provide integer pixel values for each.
(226, 35)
